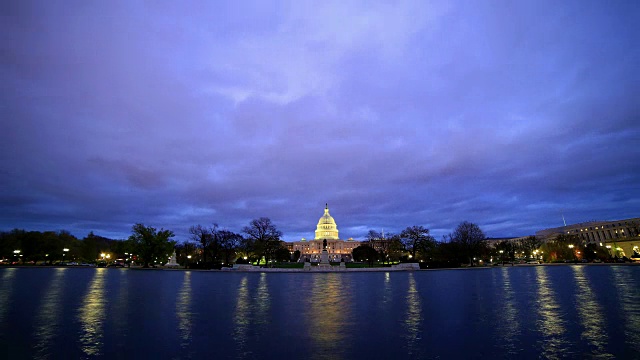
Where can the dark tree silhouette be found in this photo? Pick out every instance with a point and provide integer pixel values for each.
(416, 238)
(470, 238)
(152, 244)
(265, 237)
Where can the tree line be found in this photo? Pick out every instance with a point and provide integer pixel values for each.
(207, 247)
(260, 243)
(465, 245)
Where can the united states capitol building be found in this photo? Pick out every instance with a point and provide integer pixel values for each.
(326, 229)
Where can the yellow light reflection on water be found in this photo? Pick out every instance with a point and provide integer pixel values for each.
(549, 321)
(628, 295)
(263, 301)
(241, 317)
(590, 313)
(328, 313)
(183, 311)
(387, 295)
(509, 325)
(413, 320)
(92, 315)
(48, 317)
(250, 313)
(6, 288)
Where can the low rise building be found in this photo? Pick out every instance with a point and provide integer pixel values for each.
(620, 237)
(596, 231)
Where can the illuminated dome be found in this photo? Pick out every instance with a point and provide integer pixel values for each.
(327, 228)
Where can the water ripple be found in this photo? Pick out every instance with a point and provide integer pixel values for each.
(413, 321)
(328, 307)
(5, 291)
(48, 317)
(183, 311)
(628, 294)
(550, 323)
(590, 313)
(92, 315)
(509, 324)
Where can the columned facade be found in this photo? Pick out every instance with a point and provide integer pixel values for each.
(326, 230)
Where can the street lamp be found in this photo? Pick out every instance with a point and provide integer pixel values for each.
(571, 247)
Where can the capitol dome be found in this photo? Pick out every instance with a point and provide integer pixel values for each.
(327, 228)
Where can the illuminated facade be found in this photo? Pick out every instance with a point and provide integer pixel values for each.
(620, 237)
(327, 229)
(594, 232)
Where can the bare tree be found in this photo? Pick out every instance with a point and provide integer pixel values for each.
(204, 237)
(470, 238)
(416, 238)
(229, 242)
(265, 236)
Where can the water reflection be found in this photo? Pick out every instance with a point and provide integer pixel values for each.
(590, 313)
(121, 307)
(48, 317)
(628, 294)
(387, 294)
(549, 319)
(92, 314)
(509, 325)
(5, 291)
(183, 311)
(241, 318)
(329, 308)
(251, 314)
(263, 301)
(414, 319)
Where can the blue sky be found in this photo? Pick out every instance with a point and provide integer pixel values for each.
(504, 113)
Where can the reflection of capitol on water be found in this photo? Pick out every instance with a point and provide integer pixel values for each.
(329, 309)
(183, 310)
(550, 323)
(92, 315)
(590, 313)
(250, 313)
(48, 318)
(414, 317)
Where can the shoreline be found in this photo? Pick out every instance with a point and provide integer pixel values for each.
(321, 270)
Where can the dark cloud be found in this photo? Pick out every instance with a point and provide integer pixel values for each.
(507, 115)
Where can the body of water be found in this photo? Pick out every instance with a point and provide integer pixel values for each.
(525, 312)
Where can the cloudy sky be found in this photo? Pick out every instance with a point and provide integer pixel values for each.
(508, 114)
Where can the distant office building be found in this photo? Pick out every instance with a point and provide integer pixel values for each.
(493, 242)
(593, 232)
(326, 229)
